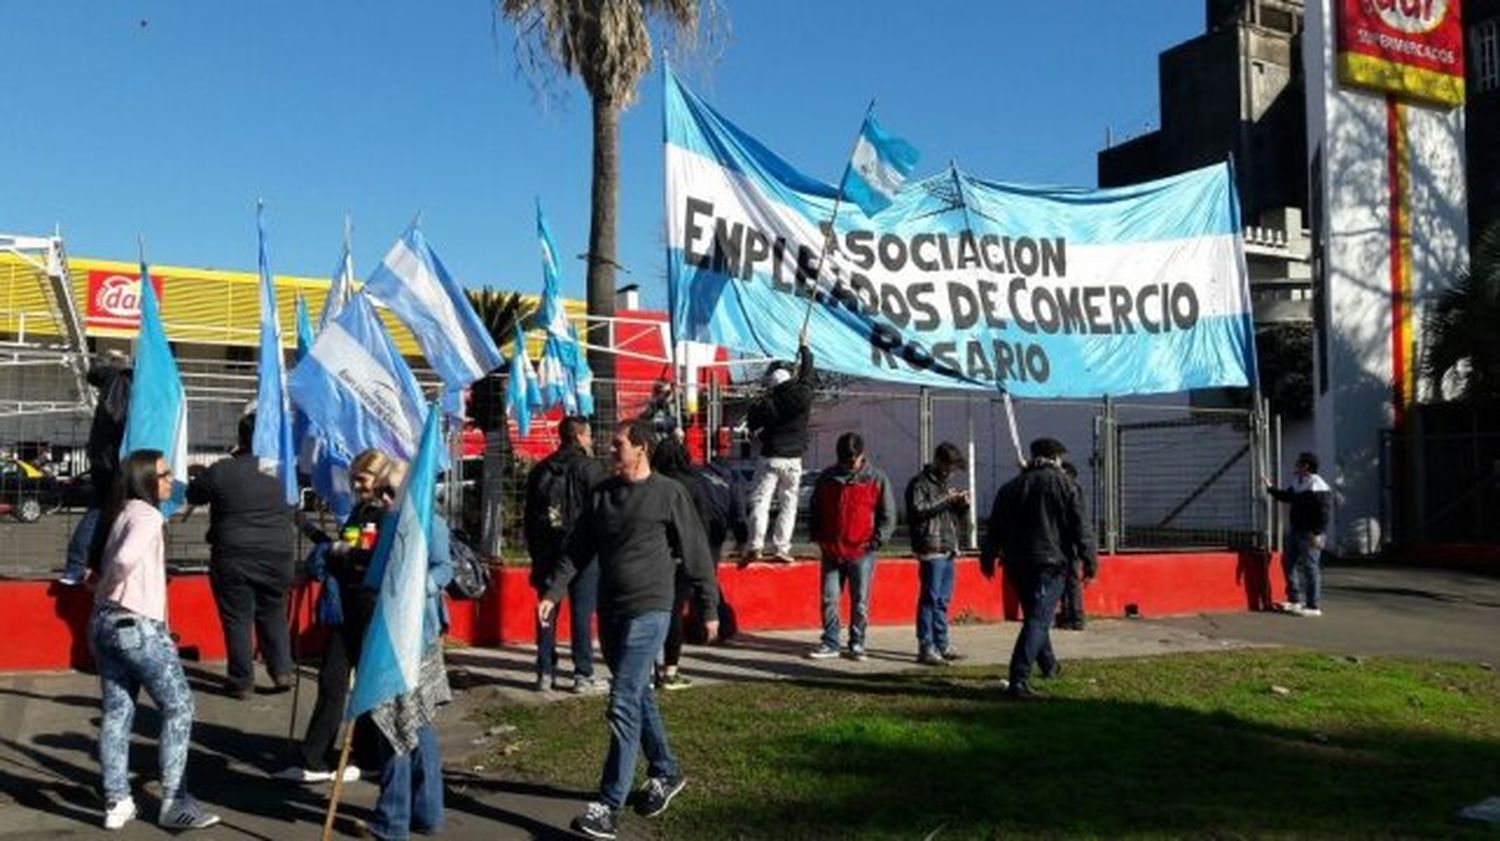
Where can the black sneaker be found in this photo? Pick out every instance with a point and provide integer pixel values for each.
(1055, 671)
(1021, 692)
(659, 792)
(597, 821)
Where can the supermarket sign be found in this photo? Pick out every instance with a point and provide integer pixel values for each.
(1412, 49)
(115, 299)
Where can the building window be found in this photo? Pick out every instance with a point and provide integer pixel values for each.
(1484, 55)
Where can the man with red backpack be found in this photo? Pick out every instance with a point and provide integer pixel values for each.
(853, 515)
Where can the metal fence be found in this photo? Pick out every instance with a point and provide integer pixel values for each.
(1441, 485)
(1155, 475)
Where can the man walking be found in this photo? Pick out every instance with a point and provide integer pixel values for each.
(1310, 506)
(635, 525)
(1035, 522)
(932, 513)
(779, 419)
(853, 515)
(557, 492)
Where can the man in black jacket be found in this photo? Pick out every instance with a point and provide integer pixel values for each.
(779, 419)
(636, 528)
(250, 562)
(1310, 504)
(111, 378)
(557, 490)
(932, 513)
(1036, 522)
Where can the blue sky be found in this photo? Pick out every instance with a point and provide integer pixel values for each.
(169, 119)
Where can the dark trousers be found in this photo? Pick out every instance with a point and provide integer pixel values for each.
(583, 600)
(1039, 589)
(340, 654)
(251, 596)
(1072, 599)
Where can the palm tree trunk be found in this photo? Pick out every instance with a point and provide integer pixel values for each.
(601, 272)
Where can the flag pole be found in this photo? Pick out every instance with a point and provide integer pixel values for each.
(1010, 409)
(833, 218)
(338, 774)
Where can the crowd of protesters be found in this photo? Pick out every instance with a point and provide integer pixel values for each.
(632, 545)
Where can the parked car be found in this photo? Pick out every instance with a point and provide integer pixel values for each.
(27, 492)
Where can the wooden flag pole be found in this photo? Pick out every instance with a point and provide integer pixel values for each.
(833, 219)
(338, 774)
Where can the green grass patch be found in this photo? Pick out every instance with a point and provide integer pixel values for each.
(1162, 747)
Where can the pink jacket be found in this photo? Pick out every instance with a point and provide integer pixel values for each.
(133, 574)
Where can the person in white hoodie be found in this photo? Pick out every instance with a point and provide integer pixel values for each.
(1310, 508)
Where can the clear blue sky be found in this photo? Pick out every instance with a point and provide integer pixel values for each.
(169, 119)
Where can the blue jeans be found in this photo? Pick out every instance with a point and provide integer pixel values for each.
(583, 597)
(411, 789)
(858, 575)
(631, 644)
(78, 545)
(936, 576)
(132, 652)
(1039, 589)
(1303, 567)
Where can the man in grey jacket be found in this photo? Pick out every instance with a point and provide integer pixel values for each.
(932, 513)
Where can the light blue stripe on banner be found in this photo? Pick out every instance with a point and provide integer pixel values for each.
(1195, 203)
(1210, 354)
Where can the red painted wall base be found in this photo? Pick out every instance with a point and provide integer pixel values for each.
(44, 625)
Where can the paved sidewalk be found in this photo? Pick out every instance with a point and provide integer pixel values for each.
(48, 723)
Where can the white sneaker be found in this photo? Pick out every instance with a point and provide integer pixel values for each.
(185, 813)
(71, 579)
(1310, 611)
(298, 774)
(1289, 607)
(119, 813)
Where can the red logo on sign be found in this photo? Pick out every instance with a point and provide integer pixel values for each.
(115, 299)
(1411, 48)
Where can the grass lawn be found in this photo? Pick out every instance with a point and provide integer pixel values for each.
(1186, 745)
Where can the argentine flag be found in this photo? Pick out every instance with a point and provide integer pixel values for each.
(878, 167)
(157, 419)
(390, 659)
(521, 393)
(411, 281)
(273, 444)
(564, 375)
(342, 287)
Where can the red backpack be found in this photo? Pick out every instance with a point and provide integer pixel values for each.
(846, 517)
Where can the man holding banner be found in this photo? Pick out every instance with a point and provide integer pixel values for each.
(779, 419)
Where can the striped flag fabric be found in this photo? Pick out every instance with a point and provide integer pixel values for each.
(412, 282)
(390, 658)
(522, 394)
(342, 287)
(273, 444)
(157, 418)
(564, 375)
(877, 169)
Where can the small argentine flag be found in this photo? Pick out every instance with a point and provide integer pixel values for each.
(877, 168)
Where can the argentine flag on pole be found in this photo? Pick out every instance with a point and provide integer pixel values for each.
(342, 287)
(877, 168)
(157, 419)
(390, 659)
(272, 445)
(521, 392)
(564, 375)
(411, 281)
(356, 389)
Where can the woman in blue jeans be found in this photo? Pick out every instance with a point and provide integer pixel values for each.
(133, 649)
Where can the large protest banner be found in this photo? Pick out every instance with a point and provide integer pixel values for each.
(1052, 292)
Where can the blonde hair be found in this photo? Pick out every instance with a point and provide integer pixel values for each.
(388, 470)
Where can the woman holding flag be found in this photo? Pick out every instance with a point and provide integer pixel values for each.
(133, 648)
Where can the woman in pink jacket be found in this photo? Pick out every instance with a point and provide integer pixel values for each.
(133, 649)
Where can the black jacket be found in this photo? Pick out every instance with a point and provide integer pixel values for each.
(1309, 504)
(248, 520)
(636, 532)
(779, 416)
(548, 531)
(1037, 521)
(932, 514)
(108, 427)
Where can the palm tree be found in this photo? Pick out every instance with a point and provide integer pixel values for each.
(1460, 335)
(607, 45)
(500, 313)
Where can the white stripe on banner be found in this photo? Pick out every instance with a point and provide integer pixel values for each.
(422, 283)
(370, 382)
(880, 175)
